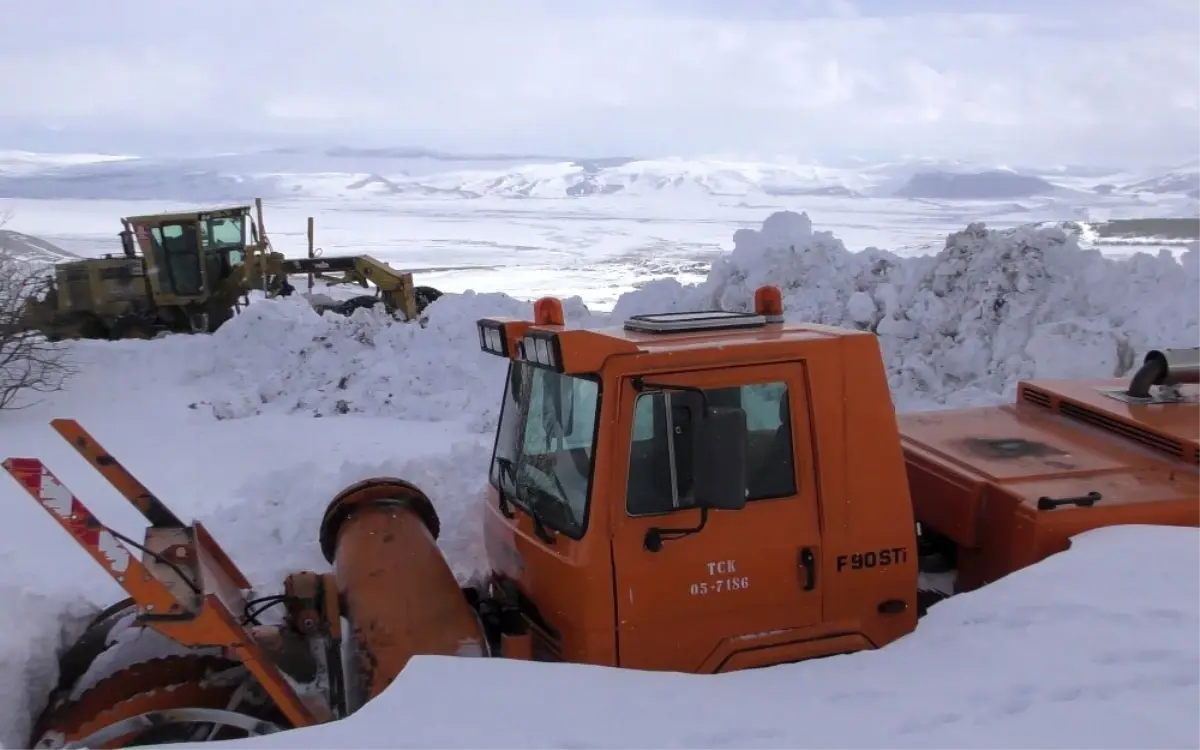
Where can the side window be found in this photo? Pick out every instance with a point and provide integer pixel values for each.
(643, 420)
(661, 447)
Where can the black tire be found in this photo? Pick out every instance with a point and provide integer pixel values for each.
(77, 325)
(425, 296)
(354, 303)
(132, 327)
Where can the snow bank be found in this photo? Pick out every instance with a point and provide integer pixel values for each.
(990, 308)
(958, 327)
(283, 356)
(1083, 650)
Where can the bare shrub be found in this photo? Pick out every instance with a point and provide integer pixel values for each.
(29, 363)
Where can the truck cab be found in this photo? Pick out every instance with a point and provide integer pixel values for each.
(659, 487)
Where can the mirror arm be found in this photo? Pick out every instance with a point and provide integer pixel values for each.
(655, 536)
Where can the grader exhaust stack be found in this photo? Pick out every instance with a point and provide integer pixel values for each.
(214, 670)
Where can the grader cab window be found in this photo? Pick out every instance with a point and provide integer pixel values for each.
(661, 448)
(543, 455)
(224, 241)
(227, 236)
(177, 246)
(225, 231)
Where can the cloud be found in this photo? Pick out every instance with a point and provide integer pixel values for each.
(1018, 79)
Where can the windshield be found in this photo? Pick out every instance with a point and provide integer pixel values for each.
(224, 232)
(543, 455)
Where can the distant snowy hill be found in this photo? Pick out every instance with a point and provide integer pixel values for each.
(988, 185)
(1184, 179)
(648, 177)
(348, 173)
(31, 249)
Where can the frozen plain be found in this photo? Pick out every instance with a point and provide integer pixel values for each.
(1083, 651)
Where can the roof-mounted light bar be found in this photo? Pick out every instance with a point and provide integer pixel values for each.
(768, 308)
(492, 337)
(506, 337)
(541, 348)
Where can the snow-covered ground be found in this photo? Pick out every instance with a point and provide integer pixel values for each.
(253, 429)
(1084, 651)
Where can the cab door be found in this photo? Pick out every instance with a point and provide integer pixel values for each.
(177, 248)
(694, 602)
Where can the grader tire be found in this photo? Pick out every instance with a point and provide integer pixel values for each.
(426, 296)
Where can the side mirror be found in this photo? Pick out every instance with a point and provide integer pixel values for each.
(719, 468)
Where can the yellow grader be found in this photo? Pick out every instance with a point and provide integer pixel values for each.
(693, 492)
(190, 272)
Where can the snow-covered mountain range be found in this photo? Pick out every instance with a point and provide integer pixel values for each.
(349, 172)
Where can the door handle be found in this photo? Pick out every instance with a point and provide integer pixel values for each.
(808, 563)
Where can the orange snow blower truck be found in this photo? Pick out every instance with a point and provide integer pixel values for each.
(697, 492)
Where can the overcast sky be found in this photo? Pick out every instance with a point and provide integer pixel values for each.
(1101, 81)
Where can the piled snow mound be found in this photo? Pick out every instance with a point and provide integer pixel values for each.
(958, 327)
(989, 309)
(452, 477)
(282, 356)
(1082, 650)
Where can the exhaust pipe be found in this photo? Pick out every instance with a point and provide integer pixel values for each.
(1165, 367)
(398, 592)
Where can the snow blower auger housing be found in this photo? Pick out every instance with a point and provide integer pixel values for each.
(730, 470)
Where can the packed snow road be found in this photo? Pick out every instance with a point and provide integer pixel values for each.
(254, 428)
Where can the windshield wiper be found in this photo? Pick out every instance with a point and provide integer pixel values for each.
(530, 505)
(527, 504)
(562, 494)
(506, 467)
